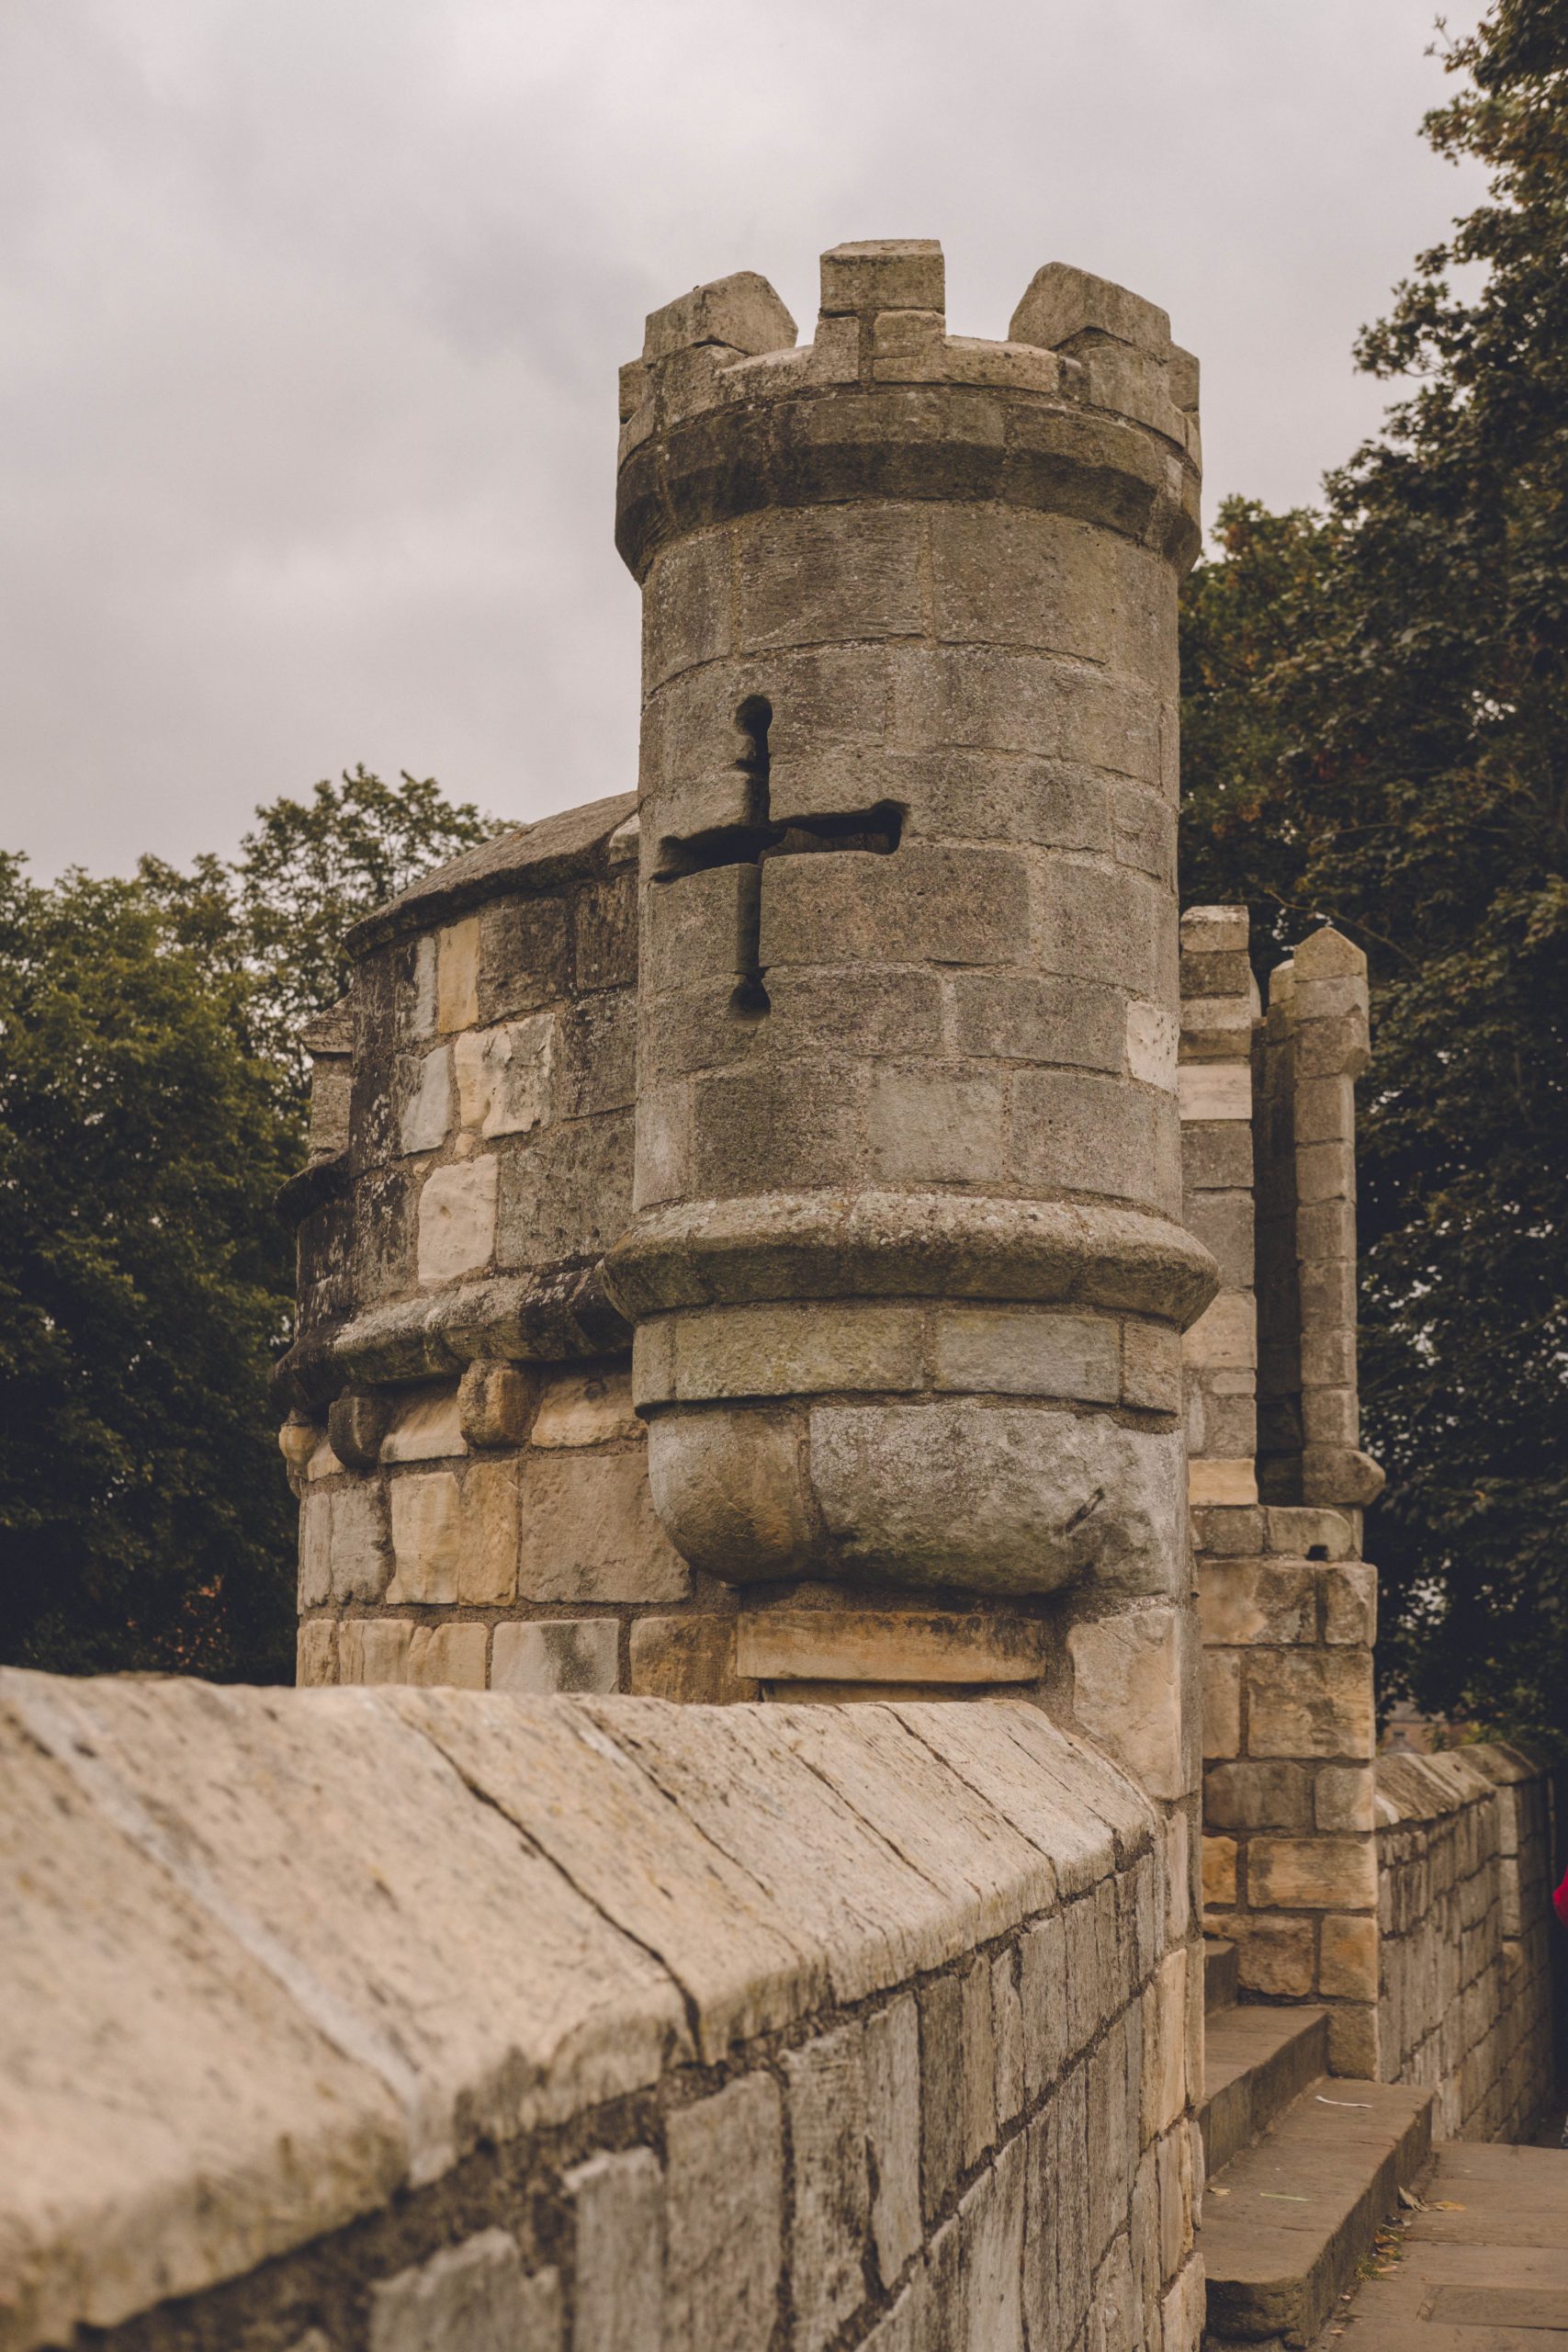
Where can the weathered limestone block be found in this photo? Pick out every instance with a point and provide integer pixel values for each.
(618, 2206)
(474, 2296)
(556, 1654)
(725, 2217)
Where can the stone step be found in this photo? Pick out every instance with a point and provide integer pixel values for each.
(1220, 1982)
(1255, 2061)
(1287, 2221)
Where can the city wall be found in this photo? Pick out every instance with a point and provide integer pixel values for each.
(393, 2020)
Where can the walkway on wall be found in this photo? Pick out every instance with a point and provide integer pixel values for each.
(1330, 2219)
(1481, 2265)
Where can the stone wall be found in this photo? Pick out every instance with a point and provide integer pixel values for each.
(394, 2021)
(475, 1507)
(1464, 1856)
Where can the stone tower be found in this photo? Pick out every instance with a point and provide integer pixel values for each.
(905, 1264)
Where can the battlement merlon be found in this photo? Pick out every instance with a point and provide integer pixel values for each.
(1088, 409)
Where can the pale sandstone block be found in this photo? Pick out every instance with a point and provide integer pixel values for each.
(893, 2133)
(1301, 1532)
(505, 1074)
(1273, 1955)
(487, 1563)
(1044, 2003)
(495, 1401)
(1325, 1111)
(1214, 1090)
(792, 1350)
(421, 1007)
(990, 2216)
(374, 1649)
(1151, 1367)
(1260, 1794)
(1225, 1483)
(1224, 1336)
(424, 1428)
(1222, 1704)
(1165, 2076)
(590, 1532)
(468, 2297)
(556, 1654)
(428, 1537)
(887, 1645)
(1182, 2307)
(450, 1656)
(1215, 930)
(724, 2216)
(1007, 2030)
(315, 1550)
(927, 1126)
(1028, 1352)
(1127, 1680)
(1246, 1601)
(1353, 2041)
(1347, 1958)
(1310, 1703)
(691, 1659)
(979, 2062)
(1219, 1872)
(456, 1220)
(427, 1114)
(1350, 1604)
(589, 1407)
(1152, 1036)
(618, 2201)
(1314, 1873)
(826, 2091)
(314, 1655)
(653, 1361)
(457, 975)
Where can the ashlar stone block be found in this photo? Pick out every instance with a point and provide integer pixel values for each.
(1127, 1687)
(826, 2092)
(505, 1074)
(893, 2133)
(456, 1220)
(468, 2297)
(724, 2216)
(547, 1654)
(590, 1532)
(618, 2201)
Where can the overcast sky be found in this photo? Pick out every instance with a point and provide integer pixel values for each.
(310, 312)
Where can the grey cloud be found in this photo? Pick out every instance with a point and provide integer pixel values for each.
(311, 316)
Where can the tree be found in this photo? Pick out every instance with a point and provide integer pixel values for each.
(1377, 730)
(151, 1105)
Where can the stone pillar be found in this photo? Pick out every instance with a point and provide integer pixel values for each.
(1288, 1607)
(1219, 1007)
(906, 1266)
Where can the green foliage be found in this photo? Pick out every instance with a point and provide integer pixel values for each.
(1376, 704)
(150, 1108)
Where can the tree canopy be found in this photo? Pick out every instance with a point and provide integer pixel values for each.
(151, 1105)
(1376, 731)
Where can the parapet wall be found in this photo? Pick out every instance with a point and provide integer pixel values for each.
(366, 2020)
(1465, 1875)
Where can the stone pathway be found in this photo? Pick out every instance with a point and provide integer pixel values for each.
(1482, 2266)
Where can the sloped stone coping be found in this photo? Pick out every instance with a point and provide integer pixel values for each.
(275, 1956)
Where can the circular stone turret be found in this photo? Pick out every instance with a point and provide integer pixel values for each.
(906, 1265)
